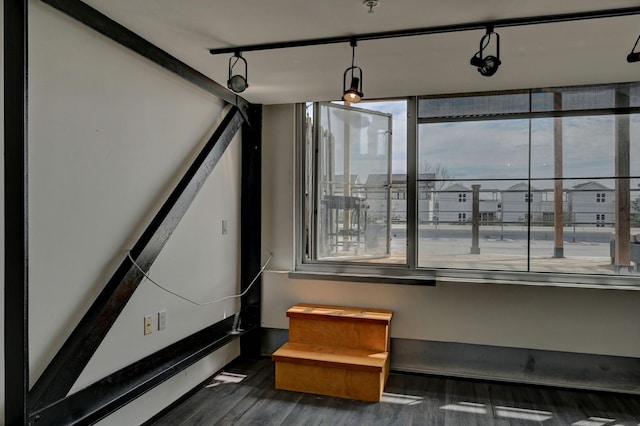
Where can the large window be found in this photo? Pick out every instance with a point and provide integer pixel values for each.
(532, 181)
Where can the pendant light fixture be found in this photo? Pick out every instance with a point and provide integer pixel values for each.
(353, 92)
(634, 56)
(487, 64)
(237, 83)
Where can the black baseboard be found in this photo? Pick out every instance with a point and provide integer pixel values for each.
(105, 396)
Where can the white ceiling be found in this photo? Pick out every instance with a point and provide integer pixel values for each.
(581, 52)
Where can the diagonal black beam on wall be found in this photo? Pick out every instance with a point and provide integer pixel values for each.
(105, 396)
(66, 366)
(127, 38)
(16, 342)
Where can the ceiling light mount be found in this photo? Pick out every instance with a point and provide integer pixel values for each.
(352, 93)
(370, 4)
(237, 82)
(487, 64)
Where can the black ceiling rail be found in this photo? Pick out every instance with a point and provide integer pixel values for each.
(440, 29)
(16, 276)
(110, 393)
(122, 35)
(74, 355)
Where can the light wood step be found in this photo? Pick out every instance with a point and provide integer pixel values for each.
(340, 326)
(325, 370)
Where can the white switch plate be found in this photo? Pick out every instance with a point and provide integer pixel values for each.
(224, 227)
(148, 324)
(162, 320)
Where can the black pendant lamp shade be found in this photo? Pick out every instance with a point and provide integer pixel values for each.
(487, 64)
(237, 83)
(634, 56)
(352, 93)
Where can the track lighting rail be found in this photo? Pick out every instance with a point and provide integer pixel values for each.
(511, 22)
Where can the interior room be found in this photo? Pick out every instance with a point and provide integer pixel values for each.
(180, 177)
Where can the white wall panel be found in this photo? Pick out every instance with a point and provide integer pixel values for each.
(277, 182)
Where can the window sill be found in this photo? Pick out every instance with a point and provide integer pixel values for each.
(362, 278)
(541, 283)
(430, 278)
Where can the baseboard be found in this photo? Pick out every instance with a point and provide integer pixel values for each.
(515, 365)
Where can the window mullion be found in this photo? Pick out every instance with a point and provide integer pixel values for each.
(412, 177)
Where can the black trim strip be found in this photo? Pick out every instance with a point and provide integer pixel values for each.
(116, 390)
(16, 277)
(122, 35)
(512, 22)
(521, 178)
(65, 368)
(531, 115)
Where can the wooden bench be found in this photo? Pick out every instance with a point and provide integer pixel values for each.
(336, 351)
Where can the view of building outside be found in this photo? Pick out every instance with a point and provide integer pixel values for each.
(547, 186)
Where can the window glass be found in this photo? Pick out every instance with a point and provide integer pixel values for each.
(634, 150)
(447, 239)
(584, 145)
(499, 186)
(473, 105)
(573, 98)
(548, 184)
(474, 149)
(361, 192)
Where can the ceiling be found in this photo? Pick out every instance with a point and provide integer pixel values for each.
(568, 53)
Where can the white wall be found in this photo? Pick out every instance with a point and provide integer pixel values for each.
(110, 134)
(277, 182)
(550, 318)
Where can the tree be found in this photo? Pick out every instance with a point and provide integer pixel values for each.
(437, 172)
(437, 176)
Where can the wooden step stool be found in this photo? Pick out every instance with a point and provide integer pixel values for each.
(336, 351)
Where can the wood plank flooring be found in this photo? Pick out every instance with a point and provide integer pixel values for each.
(408, 400)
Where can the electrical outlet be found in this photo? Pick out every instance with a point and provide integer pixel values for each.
(162, 320)
(148, 324)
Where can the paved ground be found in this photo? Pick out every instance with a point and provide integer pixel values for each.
(586, 250)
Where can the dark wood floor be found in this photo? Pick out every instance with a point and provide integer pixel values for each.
(408, 400)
